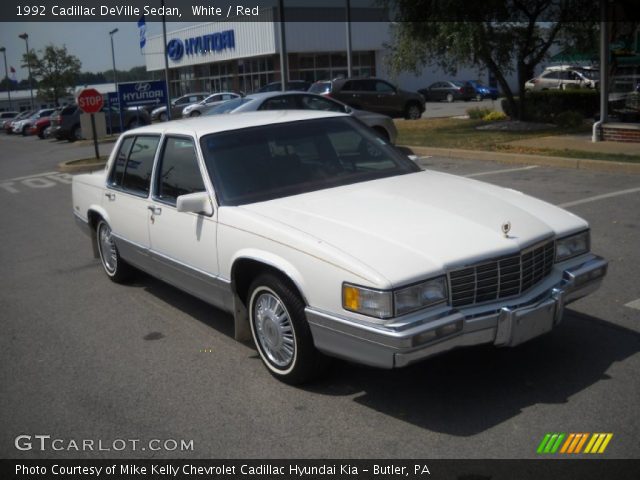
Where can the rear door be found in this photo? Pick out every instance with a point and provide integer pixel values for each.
(127, 196)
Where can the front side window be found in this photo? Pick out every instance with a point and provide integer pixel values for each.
(178, 171)
(384, 87)
(273, 161)
(137, 172)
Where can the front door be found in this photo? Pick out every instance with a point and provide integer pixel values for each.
(183, 244)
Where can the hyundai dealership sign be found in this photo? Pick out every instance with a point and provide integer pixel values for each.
(213, 42)
(138, 94)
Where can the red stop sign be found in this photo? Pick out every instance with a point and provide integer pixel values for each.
(90, 100)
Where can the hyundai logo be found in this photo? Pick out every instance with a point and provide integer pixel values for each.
(142, 87)
(175, 49)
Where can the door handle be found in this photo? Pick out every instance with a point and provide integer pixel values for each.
(154, 210)
(110, 196)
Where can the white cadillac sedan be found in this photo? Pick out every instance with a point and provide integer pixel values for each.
(323, 240)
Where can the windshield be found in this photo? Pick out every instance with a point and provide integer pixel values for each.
(228, 106)
(279, 160)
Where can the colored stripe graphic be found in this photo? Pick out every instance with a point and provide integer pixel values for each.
(598, 443)
(573, 443)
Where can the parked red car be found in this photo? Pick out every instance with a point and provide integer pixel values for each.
(40, 126)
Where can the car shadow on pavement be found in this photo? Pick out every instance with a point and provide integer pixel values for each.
(470, 390)
(194, 307)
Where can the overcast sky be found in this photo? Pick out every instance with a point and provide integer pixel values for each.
(87, 41)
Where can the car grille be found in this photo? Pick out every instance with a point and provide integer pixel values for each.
(501, 277)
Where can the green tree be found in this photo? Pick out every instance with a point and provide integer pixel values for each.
(502, 36)
(55, 69)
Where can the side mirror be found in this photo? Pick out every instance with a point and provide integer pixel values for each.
(414, 158)
(198, 202)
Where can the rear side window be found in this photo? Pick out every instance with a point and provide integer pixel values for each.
(286, 102)
(320, 87)
(179, 173)
(134, 163)
(318, 103)
(121, 160)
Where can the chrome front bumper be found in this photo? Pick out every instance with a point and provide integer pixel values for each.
(505, 323)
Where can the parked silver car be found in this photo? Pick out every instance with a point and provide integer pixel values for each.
(294, 100)
(563, 77)
(196, 109)
(177, 105)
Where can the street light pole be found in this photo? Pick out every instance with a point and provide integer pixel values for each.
(25, 37)
(115, 80)
(6, 75)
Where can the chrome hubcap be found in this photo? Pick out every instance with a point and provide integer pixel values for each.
(107, 249)
(274, 330)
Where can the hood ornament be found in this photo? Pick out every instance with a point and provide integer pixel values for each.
(506, 228)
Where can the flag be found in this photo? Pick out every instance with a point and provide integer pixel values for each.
(143, 30)
(12, 75)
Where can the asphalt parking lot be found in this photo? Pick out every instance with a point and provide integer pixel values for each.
(84, 358)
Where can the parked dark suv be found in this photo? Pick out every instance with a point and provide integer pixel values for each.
(374, 95)
(66, 124)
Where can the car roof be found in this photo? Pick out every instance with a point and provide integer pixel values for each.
(205, 125)
(278, 93)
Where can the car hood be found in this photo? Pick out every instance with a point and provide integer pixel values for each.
(412, 226)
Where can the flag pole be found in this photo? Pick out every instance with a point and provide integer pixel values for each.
(166, 61)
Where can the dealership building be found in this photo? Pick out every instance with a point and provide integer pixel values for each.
(242, 55)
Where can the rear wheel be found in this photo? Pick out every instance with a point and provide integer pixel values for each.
(449, 97)
(114, 266)
(280, 331)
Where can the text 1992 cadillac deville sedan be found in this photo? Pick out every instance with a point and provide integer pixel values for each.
(323, 240)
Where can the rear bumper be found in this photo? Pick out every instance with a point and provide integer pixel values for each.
(505, 323)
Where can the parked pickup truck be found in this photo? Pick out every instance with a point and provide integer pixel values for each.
(323, 240)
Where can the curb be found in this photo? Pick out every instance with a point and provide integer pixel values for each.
(520, 158)
(69, 167)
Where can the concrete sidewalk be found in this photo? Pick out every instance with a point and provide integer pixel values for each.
(580, 143)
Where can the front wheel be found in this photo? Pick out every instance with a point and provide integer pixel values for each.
(412, 112)
(280, 331)
(114, 266)
(195, 113)
(162, 117)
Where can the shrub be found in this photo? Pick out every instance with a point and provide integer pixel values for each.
(569, 119)
(544, 106)
(494, 116)
(476, 113)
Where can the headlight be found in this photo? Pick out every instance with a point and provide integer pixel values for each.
(374, 303)
(380, 303)
(572, 246)
(421, 295)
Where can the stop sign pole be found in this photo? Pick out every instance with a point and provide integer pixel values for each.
(90, 101)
